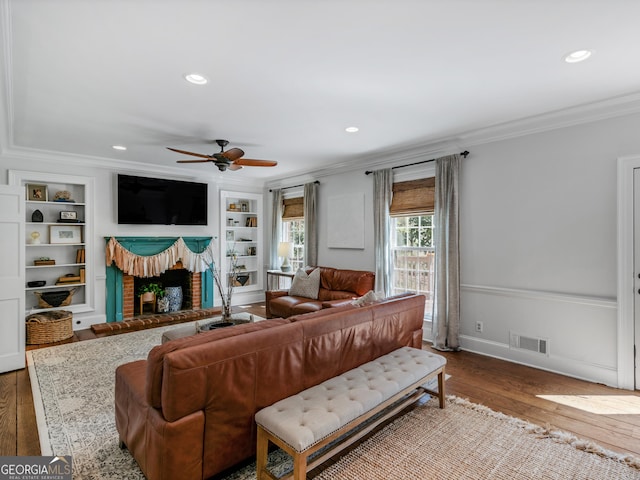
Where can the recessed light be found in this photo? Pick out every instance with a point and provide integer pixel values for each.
(577, 56)
(119, 147)
(351, 129)
(196, 79)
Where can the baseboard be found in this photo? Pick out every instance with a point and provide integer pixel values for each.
(552, 363)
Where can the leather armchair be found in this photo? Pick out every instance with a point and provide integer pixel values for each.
(337, 287)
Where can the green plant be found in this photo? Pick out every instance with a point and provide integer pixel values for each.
(152, 287)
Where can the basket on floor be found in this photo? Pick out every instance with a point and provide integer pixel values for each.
(59, 298)
(49, 327)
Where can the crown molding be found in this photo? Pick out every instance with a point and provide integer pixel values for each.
(387, 158)
(577, 115)
(567, 117)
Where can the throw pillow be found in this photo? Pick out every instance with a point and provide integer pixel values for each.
(367, 299)
(305, 285)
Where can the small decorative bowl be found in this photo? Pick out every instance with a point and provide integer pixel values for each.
(37, 283)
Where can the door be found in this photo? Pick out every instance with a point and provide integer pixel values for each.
(636, 269)
(12, 278)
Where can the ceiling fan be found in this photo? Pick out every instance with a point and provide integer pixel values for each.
(229, 160)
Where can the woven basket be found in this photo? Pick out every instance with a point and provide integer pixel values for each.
(49, 327)
(59, 298)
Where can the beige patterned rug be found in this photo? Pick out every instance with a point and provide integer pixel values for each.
(73, 392)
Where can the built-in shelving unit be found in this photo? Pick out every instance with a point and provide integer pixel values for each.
(59, 238)
(241, 232)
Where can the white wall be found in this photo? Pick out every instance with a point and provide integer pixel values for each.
(105, 224)
(339, 186)
(538, 244)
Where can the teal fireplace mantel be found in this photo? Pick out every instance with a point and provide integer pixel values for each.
(147, 246)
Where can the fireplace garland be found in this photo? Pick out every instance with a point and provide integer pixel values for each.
(153, 265)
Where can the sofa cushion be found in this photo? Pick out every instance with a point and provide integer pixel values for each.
(305, 285)
(328, 295)
(306, 307)
(357, 281)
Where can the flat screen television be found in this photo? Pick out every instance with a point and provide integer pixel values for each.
(159, 201)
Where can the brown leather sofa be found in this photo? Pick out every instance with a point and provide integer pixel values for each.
(337, 287)
(187, 411)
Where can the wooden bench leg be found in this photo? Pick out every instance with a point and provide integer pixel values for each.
(262, 452)
(300, 467)
(441, 396)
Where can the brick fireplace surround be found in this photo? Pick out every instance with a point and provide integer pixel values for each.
(192, 294)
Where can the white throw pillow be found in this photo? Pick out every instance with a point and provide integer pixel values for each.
(367, 299)
(304, 285)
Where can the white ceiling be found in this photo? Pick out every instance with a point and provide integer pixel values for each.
(288, 76)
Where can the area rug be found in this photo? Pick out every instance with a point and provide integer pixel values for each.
(73, 388)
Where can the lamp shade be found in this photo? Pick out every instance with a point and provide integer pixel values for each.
(285, 249)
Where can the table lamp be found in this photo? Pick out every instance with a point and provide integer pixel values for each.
(285, 250)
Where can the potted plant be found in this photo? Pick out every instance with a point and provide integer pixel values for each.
(151, 291)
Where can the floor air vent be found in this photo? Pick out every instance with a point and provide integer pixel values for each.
(532, 344)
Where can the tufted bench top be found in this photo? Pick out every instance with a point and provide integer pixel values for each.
(310, 416)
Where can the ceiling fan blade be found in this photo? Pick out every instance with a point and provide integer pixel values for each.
(232, 154)
(235, 166)
(248, 162)
(189, 153)
(194, 161)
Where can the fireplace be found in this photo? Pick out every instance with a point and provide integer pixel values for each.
(189, 282)
(121, 292)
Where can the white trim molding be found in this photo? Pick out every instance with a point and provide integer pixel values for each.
(542, 295)
(582, 370)
(570, 324)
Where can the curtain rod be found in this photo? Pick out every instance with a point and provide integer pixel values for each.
(317, 182)
(464, 154)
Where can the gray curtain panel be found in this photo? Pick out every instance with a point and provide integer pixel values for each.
(276, 227)
(446, 307)
(310, 224)
(382, 194)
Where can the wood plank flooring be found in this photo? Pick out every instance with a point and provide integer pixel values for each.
(513, 389)
(503, 386)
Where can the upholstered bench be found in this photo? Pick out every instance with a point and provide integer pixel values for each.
(307, 422)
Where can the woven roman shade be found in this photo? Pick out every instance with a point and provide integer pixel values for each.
(293, 208)
(413, 197)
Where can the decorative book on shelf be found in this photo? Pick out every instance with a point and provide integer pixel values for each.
(69, 278)
(41, 262)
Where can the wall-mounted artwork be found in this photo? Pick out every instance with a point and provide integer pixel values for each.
(346, 221)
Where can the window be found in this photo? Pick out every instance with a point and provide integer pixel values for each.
(413, 256)
(293, 231)
(411, 213)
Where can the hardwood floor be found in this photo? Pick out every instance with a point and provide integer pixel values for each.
(514, 390)
(503, 386)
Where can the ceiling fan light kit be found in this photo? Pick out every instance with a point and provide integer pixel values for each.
(225, 160)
